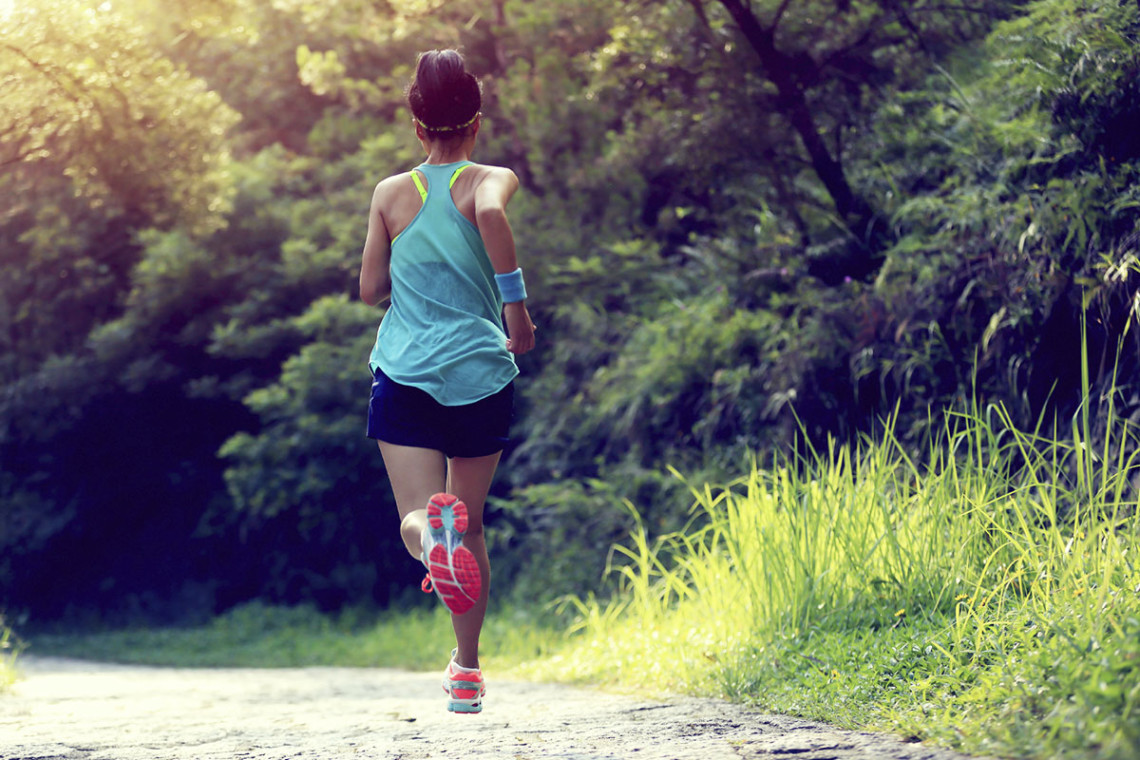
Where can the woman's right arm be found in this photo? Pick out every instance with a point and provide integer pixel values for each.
(491, 199)
(375, 280)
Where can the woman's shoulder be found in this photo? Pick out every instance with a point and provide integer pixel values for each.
(391, 188)
(490, 171)
(394, 181)
(497, 180)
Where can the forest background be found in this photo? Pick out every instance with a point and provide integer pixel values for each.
(746, 226)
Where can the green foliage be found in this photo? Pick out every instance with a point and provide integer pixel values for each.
(711, 94)
(9, 650)
(260, 635)
(129, 129)
(685, 380)
(555, 520)
(308, 476)
(1008, 217)
(684, 244)
(975, 598)
(93, 147)
(274, 471)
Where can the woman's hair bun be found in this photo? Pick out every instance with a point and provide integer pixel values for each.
(443, 95)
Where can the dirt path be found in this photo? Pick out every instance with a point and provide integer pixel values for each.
(72, 710)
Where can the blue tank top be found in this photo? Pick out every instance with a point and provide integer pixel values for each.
(443, 331)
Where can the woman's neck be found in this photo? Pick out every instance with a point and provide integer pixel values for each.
(449, 153)
(439, 155)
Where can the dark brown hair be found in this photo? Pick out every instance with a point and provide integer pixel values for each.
(443, 95)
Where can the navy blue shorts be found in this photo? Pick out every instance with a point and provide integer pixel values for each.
(408, 416)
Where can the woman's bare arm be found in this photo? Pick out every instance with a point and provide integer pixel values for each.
(491, 199)
(375, 280)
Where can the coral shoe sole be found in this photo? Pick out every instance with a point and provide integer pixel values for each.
(452, 570)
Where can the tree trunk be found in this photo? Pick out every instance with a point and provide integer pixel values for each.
(779, 69)
(518, 152)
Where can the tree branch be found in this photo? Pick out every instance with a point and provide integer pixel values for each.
(863, 39)
(18, 158)
(699, 9)
(779, 15)
(900, 12)
(860, 254)
(791, 202)
(57, 77)
(779, 68)
(19, 154)
(43, 69)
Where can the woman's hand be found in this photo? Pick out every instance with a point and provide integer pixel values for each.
(520, 328)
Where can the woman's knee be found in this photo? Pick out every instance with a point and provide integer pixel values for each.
(411, 531)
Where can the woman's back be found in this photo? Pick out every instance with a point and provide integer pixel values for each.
(443, 332)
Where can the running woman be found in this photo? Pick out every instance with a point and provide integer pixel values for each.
(440, 247)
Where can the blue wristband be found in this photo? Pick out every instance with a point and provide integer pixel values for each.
(511, 286)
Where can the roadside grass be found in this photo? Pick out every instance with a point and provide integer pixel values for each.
(8, 653)
(986, 598)
(258, 635)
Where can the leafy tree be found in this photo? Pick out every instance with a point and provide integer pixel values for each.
(309, 488)
(100, 136)
(88, 96)
(715, 91)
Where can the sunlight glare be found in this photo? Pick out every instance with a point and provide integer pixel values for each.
(8, 8)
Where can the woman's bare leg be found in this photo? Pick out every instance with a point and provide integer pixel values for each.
(418, 474)
(470, 479)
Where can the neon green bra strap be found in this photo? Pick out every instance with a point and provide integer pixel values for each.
(455, 176)
(420, 186)
(423, 190)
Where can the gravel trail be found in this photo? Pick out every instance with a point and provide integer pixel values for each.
(74, 710)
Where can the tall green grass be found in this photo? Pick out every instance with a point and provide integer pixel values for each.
(985, 596)
(8, 653)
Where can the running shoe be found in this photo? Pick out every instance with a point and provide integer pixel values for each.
(451, 568)
(465, 688)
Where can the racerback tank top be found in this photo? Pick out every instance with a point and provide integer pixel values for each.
(443, 330)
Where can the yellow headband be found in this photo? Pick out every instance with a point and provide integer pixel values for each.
(450, 129)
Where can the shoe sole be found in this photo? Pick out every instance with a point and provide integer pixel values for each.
(464, 696)
(463, 709)
(454, 571)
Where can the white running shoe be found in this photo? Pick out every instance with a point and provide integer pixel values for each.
(451, 568)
